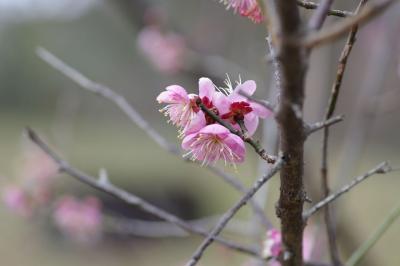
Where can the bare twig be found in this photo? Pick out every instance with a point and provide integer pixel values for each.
(255, 144)
(231, 212)
(337, 30)
(105, 186)
(161, 229)
(376, 235)
(330, 226)
(381, 168)
(137, 119)
(318, 18)
(309, 129)
(331, 12)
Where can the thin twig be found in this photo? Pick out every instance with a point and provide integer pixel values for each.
(104, 185)
(162, 229)
(137, 119)
(337, 30)
(255, 144)
(318, 18)
(231, 212)
(309, 129)
(381, 168)
(330, 226)
(376, 235)
(331, 12)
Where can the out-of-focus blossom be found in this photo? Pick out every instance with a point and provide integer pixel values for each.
(16, 200)
(165, 51)
(213, 143)
(245, 8)
(79, 220)
(272, 245)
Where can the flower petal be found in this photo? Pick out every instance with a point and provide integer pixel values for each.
(206, 88)
(237, 146)
(173, 94)
(251, 123)
(248, 87)
(215, 129)
(260, 110)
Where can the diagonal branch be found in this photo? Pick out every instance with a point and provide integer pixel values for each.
(102, 184)
(340, 28)
(231, 212)
(331, 12)
(309, 129)
(137, 119)
(381, 168)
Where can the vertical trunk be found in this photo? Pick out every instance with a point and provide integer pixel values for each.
(293, 59)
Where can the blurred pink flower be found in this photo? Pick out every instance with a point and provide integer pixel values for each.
(79, 220)
(16, 199)
(214, 142)
(165, 51)
(272, 245)
(245, 8)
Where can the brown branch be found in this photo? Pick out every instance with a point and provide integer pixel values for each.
(331, 12)
(340, 28)
(330, 227)
(293, 59)
(255, 144)
(381, 168)
(318, 18)
(102, 184)
(137, 119)
(231, 212)
(309, 129)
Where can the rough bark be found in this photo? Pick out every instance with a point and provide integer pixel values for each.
(293, 59)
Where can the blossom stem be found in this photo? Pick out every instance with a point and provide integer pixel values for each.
(255, 144)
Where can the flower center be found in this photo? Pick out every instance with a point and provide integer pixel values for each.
(237, 111)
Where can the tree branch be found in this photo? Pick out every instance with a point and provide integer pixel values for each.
(137, 119)
(337, 30)
(318, 18)
(331, 12)
(330, 226)
(102, 184)
(381, 168)
(232, 211)
(309, 129)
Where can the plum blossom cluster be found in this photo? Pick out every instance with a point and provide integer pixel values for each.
(79, 220)
(164, 50)
(205, 139)
(245, 8)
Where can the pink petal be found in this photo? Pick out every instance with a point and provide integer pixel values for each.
(173, 94)
(206, 88)
(197, 123)
(215, 129)
(188, 140)
(236, 144)
(222, 102)
(251, 123)
(248, 87)
(260, 110)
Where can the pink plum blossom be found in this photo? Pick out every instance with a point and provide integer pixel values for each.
(245, 8)
(16, 199)
(79, 220)
(165, 51)
(214, 142)
(181, 107)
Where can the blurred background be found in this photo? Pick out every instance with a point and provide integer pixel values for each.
(113, 42)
